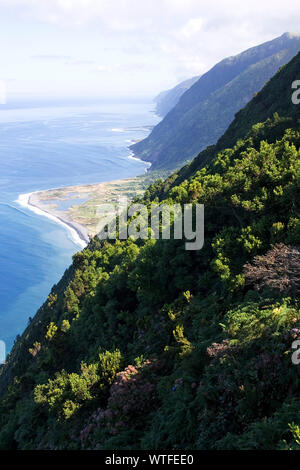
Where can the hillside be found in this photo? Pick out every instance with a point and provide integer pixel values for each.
(275, 97)
(206, 110)
(144, 345)
(166, 100)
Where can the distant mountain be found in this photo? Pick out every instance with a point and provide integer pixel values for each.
(206, 109)
(272, 106)
(168, 99)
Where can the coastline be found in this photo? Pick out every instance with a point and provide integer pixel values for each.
(79, 234)
(133, 157)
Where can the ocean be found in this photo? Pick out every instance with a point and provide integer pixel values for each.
(49, 145)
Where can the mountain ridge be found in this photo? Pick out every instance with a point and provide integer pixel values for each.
(166, 100)
(195, 122)
(262, 107)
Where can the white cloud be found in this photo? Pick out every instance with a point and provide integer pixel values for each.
(104, 68)
(192, 27)
(152, 43)
(50, 57)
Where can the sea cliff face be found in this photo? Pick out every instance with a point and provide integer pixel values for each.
(168, 99)
(207, 108)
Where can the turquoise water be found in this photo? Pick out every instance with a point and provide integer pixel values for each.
(49, 145)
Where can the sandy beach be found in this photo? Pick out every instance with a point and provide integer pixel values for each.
(78, 233)
(81, 219)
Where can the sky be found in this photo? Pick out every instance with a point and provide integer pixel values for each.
(127, 47)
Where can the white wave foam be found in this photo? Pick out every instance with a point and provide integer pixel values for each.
(23, 201)
(132, 157)
(117, 129)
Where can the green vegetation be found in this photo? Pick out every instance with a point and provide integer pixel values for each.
(143, 345)
(206, 109)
